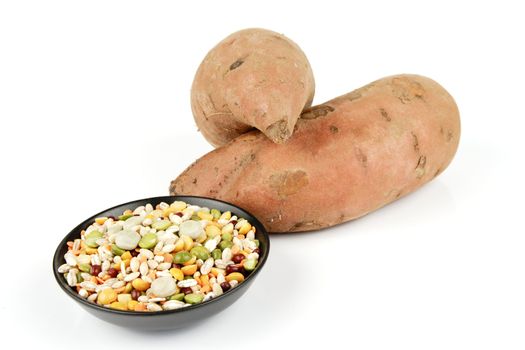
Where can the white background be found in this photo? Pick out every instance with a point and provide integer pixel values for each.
(94, 110)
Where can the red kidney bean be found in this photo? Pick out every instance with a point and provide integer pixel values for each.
(257, 250)
(237, 258)
(225, 286)
(233, 222)
(179, 214)
(135, 294)
(234, 268)
(177, 266)
(112, 272)
(95, 270)
(186, 290)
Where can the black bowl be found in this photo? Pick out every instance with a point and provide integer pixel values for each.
(170, 319)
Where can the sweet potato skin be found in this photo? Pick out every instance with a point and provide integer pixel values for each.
(346, 158)
(255, 78)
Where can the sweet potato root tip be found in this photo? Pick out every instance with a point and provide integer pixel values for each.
(278, 132)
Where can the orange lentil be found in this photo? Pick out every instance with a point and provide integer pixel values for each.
(168, 257)
(198, 279)
(215, 271)
(205, 280)
(120, 290)
(140, 307)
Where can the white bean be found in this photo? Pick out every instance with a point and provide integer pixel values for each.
(144, 268)
(173, 304)
(64, 268)
(153, 307)
(70, 259)
(187, 283)
(132, 276)
(72, 278)
(134, 264)
(163, 266)
(152, 264)
(147, 253)
(207, 266)
(226, 254)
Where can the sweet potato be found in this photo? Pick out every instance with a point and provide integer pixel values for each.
(255, 78)
(347, 157)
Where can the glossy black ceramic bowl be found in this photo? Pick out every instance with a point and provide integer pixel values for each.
(171, 319)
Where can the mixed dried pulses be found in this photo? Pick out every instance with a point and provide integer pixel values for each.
(162, 258)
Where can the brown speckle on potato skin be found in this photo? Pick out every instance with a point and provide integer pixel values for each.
(211, 101)
(393, 193)
(334, 129)
(420, 167)
(415, 142)
(278, 131)
(361, 157)
(385, 115)
(236, 64)
(317, 111)
(288, 183)
(406, 89)
(244, 162)
(358, 93)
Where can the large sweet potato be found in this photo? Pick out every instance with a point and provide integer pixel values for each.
(347, 157)
(255, 78)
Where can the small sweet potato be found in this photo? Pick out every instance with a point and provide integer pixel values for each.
(347, 157)
(255, 78)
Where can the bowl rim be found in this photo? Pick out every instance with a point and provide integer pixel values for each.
(57, 258)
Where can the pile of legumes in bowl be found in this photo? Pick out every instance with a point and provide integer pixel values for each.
(161, 257)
